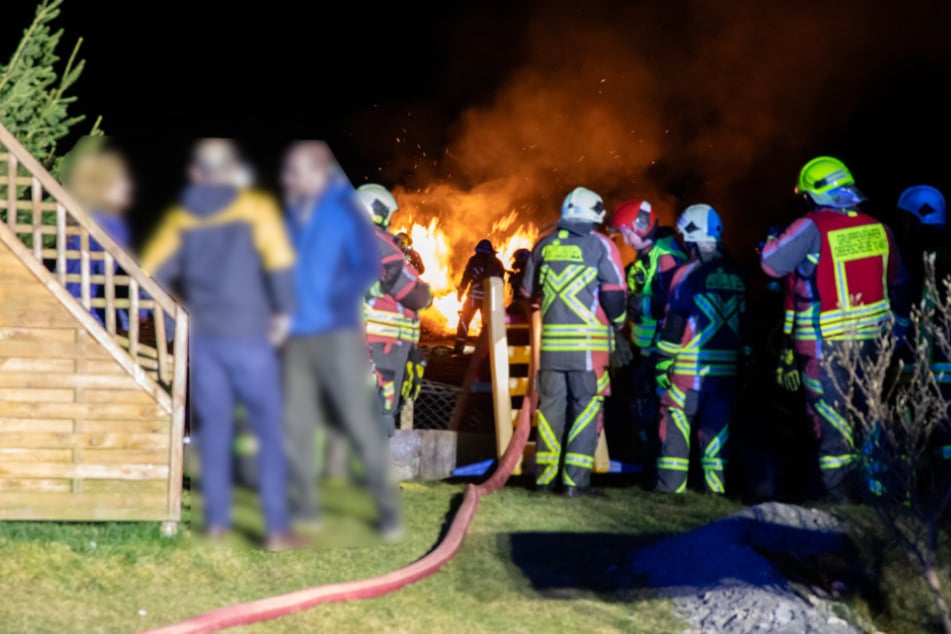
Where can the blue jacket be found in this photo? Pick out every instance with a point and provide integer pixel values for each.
(229, 254)
(118, 229)
(337, 261)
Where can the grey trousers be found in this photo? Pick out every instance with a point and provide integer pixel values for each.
(328, 381)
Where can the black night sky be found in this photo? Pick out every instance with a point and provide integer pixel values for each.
(693, 101)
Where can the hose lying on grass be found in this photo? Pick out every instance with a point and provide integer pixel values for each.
(273, 607)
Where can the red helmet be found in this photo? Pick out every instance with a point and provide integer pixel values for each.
(637, 215)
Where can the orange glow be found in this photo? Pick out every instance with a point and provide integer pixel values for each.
(445, 246)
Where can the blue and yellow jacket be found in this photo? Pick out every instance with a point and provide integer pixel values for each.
(338, 260)
(227, 252)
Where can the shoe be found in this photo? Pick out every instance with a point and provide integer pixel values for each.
(391, 527)
(583, 492)
(287, 540)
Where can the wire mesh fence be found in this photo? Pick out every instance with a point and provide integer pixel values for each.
(434, 407)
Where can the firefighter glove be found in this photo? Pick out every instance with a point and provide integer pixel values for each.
(661, 373)
(787, 373)
(622, 355)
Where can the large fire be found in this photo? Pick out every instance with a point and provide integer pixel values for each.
(445, 246)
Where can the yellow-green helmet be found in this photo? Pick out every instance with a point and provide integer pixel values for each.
(829, 183)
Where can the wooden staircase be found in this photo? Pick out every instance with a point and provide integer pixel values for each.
(91, 417)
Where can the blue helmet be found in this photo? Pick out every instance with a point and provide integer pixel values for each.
(926, 203)
(700, 223)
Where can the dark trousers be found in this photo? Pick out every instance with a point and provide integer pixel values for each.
(682, 412)
(328, 381)
(224, 373)
(561, 393)
(389, 366)
(645, 409)
(472, 306)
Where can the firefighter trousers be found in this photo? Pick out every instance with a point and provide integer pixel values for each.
(389, 366)
(708, 413)
(471, 306)
(837, 445)
(561, 393)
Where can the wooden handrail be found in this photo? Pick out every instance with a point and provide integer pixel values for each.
(19, 154)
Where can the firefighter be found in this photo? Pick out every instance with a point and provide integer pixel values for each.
(517, 273)
(413, 258)
(648, 283)
(481, 266)
(576, 276)
(391, 305)
(846, 268)
(701, 347)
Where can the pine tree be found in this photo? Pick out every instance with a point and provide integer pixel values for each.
(33, 94)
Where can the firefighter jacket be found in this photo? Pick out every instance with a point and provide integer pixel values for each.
(648, 284)
(480, 267)
(577, 277)
(392, 301)
(705, 328)
(846, 269)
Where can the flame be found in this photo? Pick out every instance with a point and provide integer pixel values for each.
(445, 246)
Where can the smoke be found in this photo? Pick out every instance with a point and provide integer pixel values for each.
(675, 102)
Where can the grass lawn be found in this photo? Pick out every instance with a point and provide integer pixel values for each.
(529, 564)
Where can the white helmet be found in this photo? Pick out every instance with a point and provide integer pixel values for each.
(700, 223)
(583, 204)
(379, 203)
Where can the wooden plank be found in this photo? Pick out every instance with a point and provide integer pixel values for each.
(49, 380)
(61, 243)
(21, 364)
(493, 317)
(114, 396)
(179, 392)
(35, 484)
(36, 196)
(97, 366)
(602, 461)
(86, 514)
(35, 395)
(520, 355)
(84, 267)
(35, 425)
(110, 293)
(518, 386)
(38, 334)
(83, 411)
(125, 487)
(32, 454)
(17, 314)
(12, 163)
(154, 457)
(15, 499)
(161, 345)
(85, 440)
(82, 470)
(50, 350)
(118, 426)
(133, 319)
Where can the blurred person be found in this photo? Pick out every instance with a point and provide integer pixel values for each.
(576, 277)
(517, 274)
(99, 179)
(227, 249)
(481, 266)
(703, 343)
(391, 305)
(848, 283)
(328, 375)
(413, 258)
(657, 256)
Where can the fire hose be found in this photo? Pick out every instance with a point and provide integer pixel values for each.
(281, 605)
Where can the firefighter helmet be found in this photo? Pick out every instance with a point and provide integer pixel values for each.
(379, 203)
(403, 240)
(484, 246)
(700, 223)
(636, 215)
(925, 203)
(829, 183)
(583, 204)
(520, 258)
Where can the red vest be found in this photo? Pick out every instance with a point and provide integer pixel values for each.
(850, 283)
